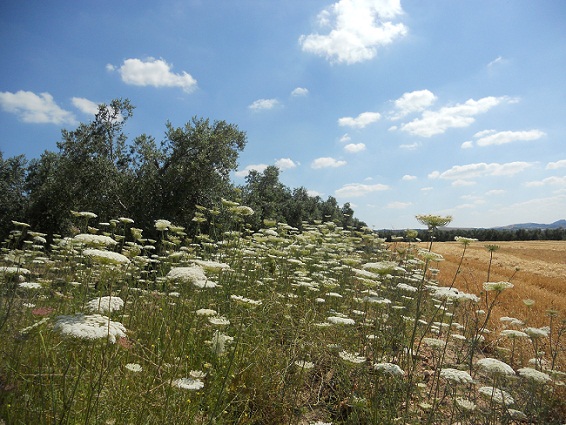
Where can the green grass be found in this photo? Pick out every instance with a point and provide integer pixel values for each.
(279, 358)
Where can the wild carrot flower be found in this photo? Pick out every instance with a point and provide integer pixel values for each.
(534, 375)
(303, 364)
(94, 240)
(188, 384)
(465, 404)
(92, 326)
(537, 332)
(452, 294)
(340, 320)
(219, 342)
(219, 320)
(30, 285)
(456, 375)
(497, 286)
(105, 304)
(434, 342)
(389, 369)
(512, 333)
(206, 312)
(106, 257)
(495, 366)
(245, 301)
(162, 225)
(133, 367)
(192, 274)
(351, 357)
(497, 395)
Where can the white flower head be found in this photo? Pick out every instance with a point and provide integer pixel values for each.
(534, 375)
(188, 384)
(340, 320)
(133, 367)
(106, 257)
(94, 240)
(456, 375)
(92, 326)
(495, 366)
(497, 286)
(497, 395)
(389, 369)
(105, 304)
(352, 358)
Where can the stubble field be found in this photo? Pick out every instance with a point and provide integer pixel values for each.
(536, 268)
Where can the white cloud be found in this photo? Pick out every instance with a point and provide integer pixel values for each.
(355, 147)
(468, 171)
(33, 108)
(548, 181)
(491, 137)
(410, 147)
(313, 193)
(497, 61)
(356, 29)
(459, 115)
(257, 167)
(326, 162)
(411, 102)
(285, 164)
(154, 72)
(408, 177)
(398, 205)
(495, 192)
(462, 183)
(467, 145)
(345, 138)
(558, 164)
(261, 104)
(359, 189)
(362, 120)
(84, 105)
(300, 91)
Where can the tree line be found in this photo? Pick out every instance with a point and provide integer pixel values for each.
(491, 234)
(98, 169)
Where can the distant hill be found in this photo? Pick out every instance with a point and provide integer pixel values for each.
(556, 225)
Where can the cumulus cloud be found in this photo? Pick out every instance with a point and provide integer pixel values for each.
(492, 137)
(411, 102)
(558, 164)
(410, 146)
(356, 29)
(362, 120)
(355, 147)
(262, 104)
(408, 177)
(285, 164)
(481, 169)
(300, 91)
(467, 145)
(84, 105)
(154, 72)
(352, 190)
(398, 205)
(462, 183)
(36, 109)
(549, 181)
(327, 162)
(459, 115)
(345, 138)
(256, 167)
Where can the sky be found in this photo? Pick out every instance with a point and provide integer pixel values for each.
(398, 107)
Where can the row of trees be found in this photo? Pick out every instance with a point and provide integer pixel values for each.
(446, 235)
(98, 169)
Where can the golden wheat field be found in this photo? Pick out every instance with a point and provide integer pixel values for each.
(536, 268)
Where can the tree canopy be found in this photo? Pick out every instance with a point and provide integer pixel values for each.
(98, 169)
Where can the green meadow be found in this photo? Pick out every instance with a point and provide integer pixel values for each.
(323, 325)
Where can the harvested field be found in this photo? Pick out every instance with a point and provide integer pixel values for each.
(536, 268)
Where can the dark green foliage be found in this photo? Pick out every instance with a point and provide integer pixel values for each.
(98, 170)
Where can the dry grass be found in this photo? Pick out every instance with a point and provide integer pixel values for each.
(536, 268)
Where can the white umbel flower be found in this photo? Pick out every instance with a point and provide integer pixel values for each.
(495, 366)
(105, 304)
(93, 326)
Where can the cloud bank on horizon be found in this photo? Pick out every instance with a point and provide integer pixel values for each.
(398, 107)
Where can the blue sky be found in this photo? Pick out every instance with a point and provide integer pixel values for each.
(398, 107)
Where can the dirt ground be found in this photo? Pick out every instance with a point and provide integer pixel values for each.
(536, 268)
